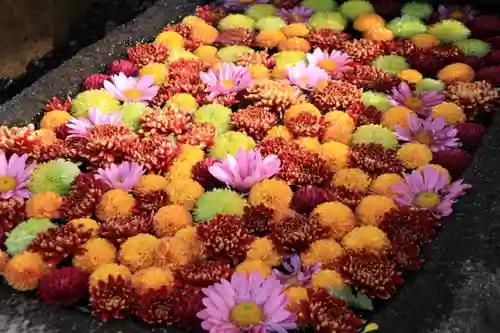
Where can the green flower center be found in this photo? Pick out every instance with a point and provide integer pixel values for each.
(132, 93)
(413, 103)
(427, 200)
(246, 314)
(7, 183)
(328, 65)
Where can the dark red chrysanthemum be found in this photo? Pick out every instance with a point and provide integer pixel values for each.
(201, 174)
(364, 50)
(475, 62)
(348, 197)
(494, 42)
(124, 66)
(493, 57)
(256, 58)
(306, 198)
(489, 74)
(113, 298)
(336, 95)
(156, 153)
(119, 229)
(303, 167)
(445, 52)
(165, 92)
(12, 212)
(454, 160)
(95, 81)
(254, 121)
(235, 36)
(18, 140)
(484, 26)
(203, 274)
(363, 115)
(199, 134)
(150, 202)
(225, 237)
(326, 313)
(144, 54)
(401, 47)
(426, 63)
(373, 274)
(306, 124)
(170, 121)
(185, 71)
(287, 4)
(374, 159)
(276, 145)
(370, 78)
(470, 134)
(210, 13)
(295, 232)
(387, 8)
(327, 39)
(56, 104)
(63, 286)
(257, 219)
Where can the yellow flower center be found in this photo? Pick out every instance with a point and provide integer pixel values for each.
(7, 183)
(456, 15)
(246, 2)
(227, 83)
(427, 200)
(413, 103)
(246, 314)
(132, 93)
(304, 79)
(295, 17)
(423, 137)
(328, 65)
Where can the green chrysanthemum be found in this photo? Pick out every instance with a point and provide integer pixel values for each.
(320, 5)
(218, 201)
(407, 26)
(374, 134)
(419, 10)
(234, 21)
(270, 23)
(232, 52)
(97, 98)
(473, 47)
(215, 114)
(260, 10)
(328, 20)
(131, 114)
(288, 58)
(391, 63)
(24, 233)
(53, 176)
(376, 99)
(449, 31)
(229, 143)
(178, 54)
(354, 8)
(429, 84)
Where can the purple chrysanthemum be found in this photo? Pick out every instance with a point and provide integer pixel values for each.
(14, 175)
(228, 80)
(295, 274)
(80, 127)
(121, 176)
(306, 77)
(246, 304)
(334, 63)
(434, 133)
(132, 89)
(299, 14)
(240, 5)
(421, 102)
(427, 189)
(459, 13)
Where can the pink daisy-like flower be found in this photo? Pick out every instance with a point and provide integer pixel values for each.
(14, 175)
(421, 102)
(132, 89)
(246, 169)
(334, 63)
(121, 176)
(305, 76)
(299, 14)
(427, 189)
(294, 274)
(228, 80)
(80, 127)
(254, 304)
(434, 133)
(459, 13)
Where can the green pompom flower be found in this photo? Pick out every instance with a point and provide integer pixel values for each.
(270, 23)
(25, 233)
(132, 113)
(407, 26)
(235, 21)
(320, 5)
(288, 58)
(473, 47)
(376, 99)
(231, 53)
(419, 10)
(179, 54)
(215, 114)
(53, 176)
(354, 8)
(260, 10)
(229, 143)
(328, 20)
(374, 134)
(97, 98)
(449, 31)
(428, 84)
(218, 201)
(391, 63)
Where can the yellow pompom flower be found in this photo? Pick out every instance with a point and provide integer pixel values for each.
(188, 237)
(410, 75)
(457, 72)
(258, 71)
(47, 136)
(324, 251)
(424, 41)
(336, 154)
(44, 205)
(352, 178)
(296, 109)
(337, 217)
(180, 170)
(396, 116)
(54, 119)
(249, 266)
(157, 70)
(368, 21)
(279, 131)
(295, 296)
(138, 251)
(272, 193)
(414, 155)
(4, 259)
(270, 38)
(104, 272)
(96, 252)
(383, 183)
(372, 208)
(190, 154)
(184, 192)
(173, 252)
(183, 101)
(440, 169)
(296, 30)
(263, 249)
(152, 278)
(340, 127)
(327, 278)
(115, 203)
(169, 219)
(151, 183)
(24, 270)
(205, 52)
(87, 225)
(368, 238)
(204, 33)
(311, 144)
(193, 20)
(294, 44)
(451, 112)
(170, 39)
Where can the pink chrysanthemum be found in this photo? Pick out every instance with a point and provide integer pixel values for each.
(299, 14)
(421, 103)
(121, 176)
(306, 77)
(132, 89)
(427, 189)
(229, 79)
(334, 63)
(254, 304)
(14, 175)
(80, 127)
(434, 133)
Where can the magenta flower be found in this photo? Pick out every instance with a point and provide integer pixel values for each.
(434, 133)
(421, 103)
(252, 304)
(299, 14)
(79, 127)
(334, 63)
(122, 176)
(14, 175)
(427, 189)
(229, 79)
(246, 170)
(459, 13)
(294, 274)
(306, 77)
(132, 89)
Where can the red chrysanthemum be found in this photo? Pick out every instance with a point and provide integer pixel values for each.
(257, 219)
(445, 52)
(336, 95)
(493, 57)
(254, 121)
(306, 198)
(286, 4)
(374, 159)
(470, 134)
(303, 167)
(256, 58)
(12, 212)
(201, 174)
(95, 81)
(473, 97)
(170, 121)
(63, 286)
(363, 115)
(150, 202)
(276, 145)
(119, 229)
(235, 36)
(295, 232)
(199, 134)
(489, 74)
(164, 94)
(144, 54)
(454, 160)
(125, 66)
(306, 124)
(113, 298)
(203, 274)
(475, 62)
(363, 50)
(370, 78)
(373, 274)
(43, 153)
(349, 197)
(426, 63)
(156, 153)
(210, 13)
(401, 47)
(225, 237)
(56, 104)
(487, 25)
(327, 39)
(185, 70)
(18, 140)
(387, 8)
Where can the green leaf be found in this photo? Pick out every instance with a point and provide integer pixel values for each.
(359, 301)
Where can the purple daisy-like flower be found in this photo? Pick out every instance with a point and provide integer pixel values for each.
(132, 89)
(228, 80)
(80, 127)
(240, 5)
(14, 175)
(294, 273)
(121, 176)
(421, 102)
(306, 77)
(434, 133)
(299, 14)
(246, 304)
(334, 63)
(459, 13)
(427, 189)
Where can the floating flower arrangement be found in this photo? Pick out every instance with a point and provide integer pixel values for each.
(260, 167)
